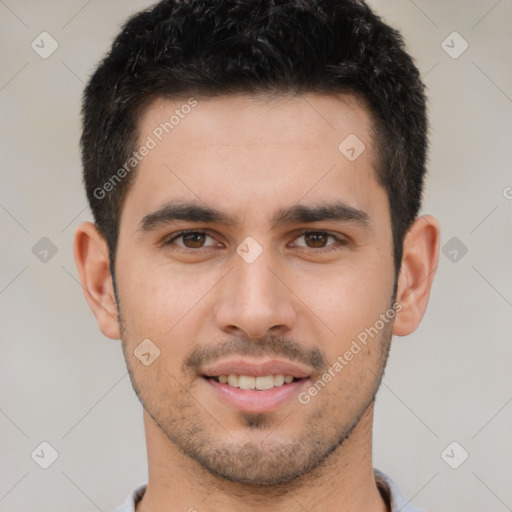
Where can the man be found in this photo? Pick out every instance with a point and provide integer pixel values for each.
(255, 171)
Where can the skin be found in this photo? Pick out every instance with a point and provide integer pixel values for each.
(276, 152)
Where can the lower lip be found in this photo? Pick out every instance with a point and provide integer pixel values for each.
(249, 400)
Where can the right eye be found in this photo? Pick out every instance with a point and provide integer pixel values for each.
(190, 240)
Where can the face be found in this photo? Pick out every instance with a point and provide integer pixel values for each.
(286, 263)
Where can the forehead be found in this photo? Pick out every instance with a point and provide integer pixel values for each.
(235, 150)
(255, 118)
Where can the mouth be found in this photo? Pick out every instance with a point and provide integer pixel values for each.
(261, 383)
(255, 386)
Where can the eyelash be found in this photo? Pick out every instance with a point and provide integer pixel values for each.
(339, 241)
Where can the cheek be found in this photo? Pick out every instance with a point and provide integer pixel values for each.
(159, 300)
(347, 297)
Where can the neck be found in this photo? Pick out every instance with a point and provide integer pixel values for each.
(344, 482)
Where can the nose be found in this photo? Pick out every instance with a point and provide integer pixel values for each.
(255, 300)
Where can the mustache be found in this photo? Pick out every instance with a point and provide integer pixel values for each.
(270, 345)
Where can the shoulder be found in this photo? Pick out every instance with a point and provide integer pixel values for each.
(133, 498)
(392, 494)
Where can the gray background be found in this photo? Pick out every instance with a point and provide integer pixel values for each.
(63, 382)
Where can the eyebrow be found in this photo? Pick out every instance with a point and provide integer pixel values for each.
(193, 212)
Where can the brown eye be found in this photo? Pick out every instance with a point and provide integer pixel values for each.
(319, 241)
(193, 240)
(190, 240)
(316, 240)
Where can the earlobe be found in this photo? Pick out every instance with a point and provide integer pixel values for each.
(92, 260)
(419, 263)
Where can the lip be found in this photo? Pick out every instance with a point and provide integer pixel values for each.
(256, 368)
(253, 401)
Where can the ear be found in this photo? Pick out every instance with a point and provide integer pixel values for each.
(419, 264)
(91, 257)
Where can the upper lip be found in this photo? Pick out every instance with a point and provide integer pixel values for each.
(255, 368)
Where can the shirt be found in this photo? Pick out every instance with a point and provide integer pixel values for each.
(387, 487)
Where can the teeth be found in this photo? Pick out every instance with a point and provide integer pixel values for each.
(260, 383)
(279, 380)
(233, 380)
(266, 382)
(246, 382)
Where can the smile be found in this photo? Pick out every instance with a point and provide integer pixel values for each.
(261, 383)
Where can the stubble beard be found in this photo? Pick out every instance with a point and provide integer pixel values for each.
(269, 462)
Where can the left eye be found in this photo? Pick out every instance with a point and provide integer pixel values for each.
(316, 239)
